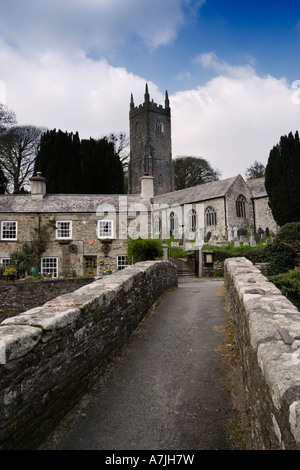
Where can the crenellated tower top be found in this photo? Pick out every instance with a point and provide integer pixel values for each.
(150, 144)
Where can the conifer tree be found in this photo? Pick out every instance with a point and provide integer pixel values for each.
(282, 179)
(71, 165)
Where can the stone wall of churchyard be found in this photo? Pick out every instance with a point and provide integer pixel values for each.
(19, 296)
(267, 328)
(51, 355)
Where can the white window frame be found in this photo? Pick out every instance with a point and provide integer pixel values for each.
(15, 230)
(5, 261)
(59, 237)
(122, 262)
(110, 234)
(52, 268)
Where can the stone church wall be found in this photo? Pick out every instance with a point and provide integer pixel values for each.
(263, 216)
(242, 223)
(51, 355)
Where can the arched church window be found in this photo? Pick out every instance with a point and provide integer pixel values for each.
(241, 206)
(157, 225)
(193, 220)
(211, 216)
(159, 127)
(160, 179)
(136, 129)
(173, 224)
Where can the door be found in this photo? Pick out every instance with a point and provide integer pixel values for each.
(90, 265)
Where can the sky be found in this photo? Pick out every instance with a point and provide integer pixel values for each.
(231, 69)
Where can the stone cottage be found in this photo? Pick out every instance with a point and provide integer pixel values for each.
(90, 230)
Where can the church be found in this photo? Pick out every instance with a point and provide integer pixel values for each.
(91, 230)
(227, 205)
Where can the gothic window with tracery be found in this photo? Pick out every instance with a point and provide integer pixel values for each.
(193, 220)
(241, 206)
(173, 224)
(157, 225)
(211, 216)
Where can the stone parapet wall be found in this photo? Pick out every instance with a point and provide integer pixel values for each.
(51, 355)
(267, 328)
(19, 296)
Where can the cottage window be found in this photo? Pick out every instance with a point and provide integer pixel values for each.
(241, 206)
(63, 229)
(122, 262)
(9, 230)
(5, 261)
(49, 267)
(211, 216)
(105, 229)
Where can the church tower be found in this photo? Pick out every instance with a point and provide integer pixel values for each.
(150, 145)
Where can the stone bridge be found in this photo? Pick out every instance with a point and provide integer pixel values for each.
(50, 356)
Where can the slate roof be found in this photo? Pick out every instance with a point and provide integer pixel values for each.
(62, 203)
(88, 203)
(201, 192)
(257, 188)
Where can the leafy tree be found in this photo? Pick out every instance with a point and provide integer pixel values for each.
(257, 170)
(18, 149)
(282, 179)
(191, 171)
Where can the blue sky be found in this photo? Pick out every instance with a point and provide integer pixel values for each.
(230, 68)
(263, 33)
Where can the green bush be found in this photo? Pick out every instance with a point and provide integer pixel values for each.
(289, 284)
(284, 253)
(256, 254)
(144, 249)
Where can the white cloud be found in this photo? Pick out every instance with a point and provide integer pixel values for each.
(211, 61)
(73, 95)
(234, 119)
(88, 24)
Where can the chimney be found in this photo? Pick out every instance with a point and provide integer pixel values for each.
(38, 186)
(147, 187)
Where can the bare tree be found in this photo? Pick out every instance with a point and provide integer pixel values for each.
(121, 146)
(18, 149)
(7, 117)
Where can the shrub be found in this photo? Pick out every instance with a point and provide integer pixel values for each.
(284, 253)
(10, 273)
(144, 249)
(289, 284)
(256, 254)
